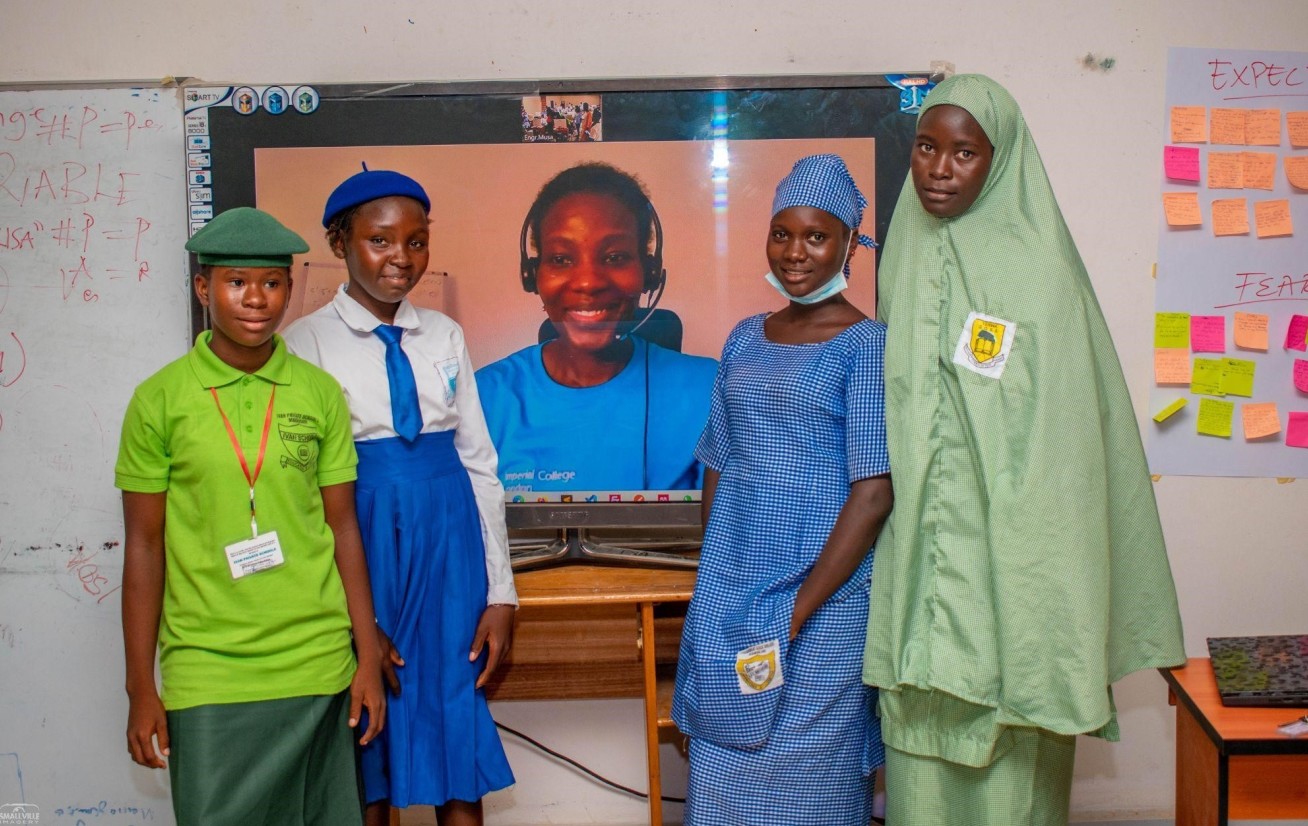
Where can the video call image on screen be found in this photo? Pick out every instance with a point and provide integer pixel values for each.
(598, 273)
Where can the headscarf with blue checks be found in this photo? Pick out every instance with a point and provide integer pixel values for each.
(824, 182)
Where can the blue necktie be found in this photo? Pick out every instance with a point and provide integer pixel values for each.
(406, 415)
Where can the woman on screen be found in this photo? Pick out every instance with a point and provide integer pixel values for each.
(781, 727)
(597, 405)
(1023, 569)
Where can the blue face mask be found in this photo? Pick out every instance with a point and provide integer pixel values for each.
(834, 286)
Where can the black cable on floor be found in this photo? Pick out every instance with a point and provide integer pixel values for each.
(552, 753)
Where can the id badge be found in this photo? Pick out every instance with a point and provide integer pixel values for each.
(251, 556)
(758, 668)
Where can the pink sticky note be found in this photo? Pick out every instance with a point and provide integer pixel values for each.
(1181, 163)
(1296, 433)
(1301, 375)
(1296, 337)
(1208, 333)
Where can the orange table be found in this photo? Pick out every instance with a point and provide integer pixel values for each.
(587, 631)
(1231, 762)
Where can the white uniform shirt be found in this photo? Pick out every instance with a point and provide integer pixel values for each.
(339, 338)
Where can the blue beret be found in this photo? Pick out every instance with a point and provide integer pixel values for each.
(245, 237)
(369, 185)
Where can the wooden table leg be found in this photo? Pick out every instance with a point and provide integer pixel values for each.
(1200, 774)
(648, 662)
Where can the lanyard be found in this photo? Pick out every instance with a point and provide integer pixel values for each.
(240, 454)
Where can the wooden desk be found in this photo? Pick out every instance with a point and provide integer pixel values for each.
(586, 631)
(1232, 762)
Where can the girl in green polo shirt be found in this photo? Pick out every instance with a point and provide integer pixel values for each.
(243, 563)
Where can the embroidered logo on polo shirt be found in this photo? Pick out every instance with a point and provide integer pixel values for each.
(299, 436)
(758, 668)
(984, 344)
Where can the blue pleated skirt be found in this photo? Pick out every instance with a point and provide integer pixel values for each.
(427, 562)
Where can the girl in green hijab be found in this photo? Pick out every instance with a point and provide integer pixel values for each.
(1023, 568)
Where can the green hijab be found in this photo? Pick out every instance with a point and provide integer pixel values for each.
(1023, 569)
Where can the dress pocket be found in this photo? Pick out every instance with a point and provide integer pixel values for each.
(737, 677)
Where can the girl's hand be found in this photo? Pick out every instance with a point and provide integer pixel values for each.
(366, 691)
(495, 632)
(147, 720)
(390, 660)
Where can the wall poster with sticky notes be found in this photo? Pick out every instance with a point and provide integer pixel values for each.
(1232, 266)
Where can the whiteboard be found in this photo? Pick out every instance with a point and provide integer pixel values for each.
(93, 299)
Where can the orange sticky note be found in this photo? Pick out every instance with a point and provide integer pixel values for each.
(1182, 209)
(1230, 217)
(1262, 127)
(1226, 170)
(1171, 366)
(1296, 123)
(1259, 170)
(1260, 420)
(1227, 126)
(1251, 331)
(1273, 218)
(1296, 171)
(1189, 124)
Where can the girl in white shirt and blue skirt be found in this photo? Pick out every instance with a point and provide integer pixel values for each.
(430, 503)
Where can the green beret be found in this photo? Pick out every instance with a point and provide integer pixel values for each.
(245, 237)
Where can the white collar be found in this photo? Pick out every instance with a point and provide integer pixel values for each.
(358, 317)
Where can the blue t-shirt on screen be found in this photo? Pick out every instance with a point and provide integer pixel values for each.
(637, 431)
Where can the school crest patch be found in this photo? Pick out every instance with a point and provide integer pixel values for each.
(984, 345)
(299, 442)
(758, 668)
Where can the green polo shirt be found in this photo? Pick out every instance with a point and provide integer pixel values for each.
(281, 632)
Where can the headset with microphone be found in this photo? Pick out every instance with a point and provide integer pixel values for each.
(655, 276)
(654, 282)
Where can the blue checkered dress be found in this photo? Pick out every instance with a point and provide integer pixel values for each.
(791, 425)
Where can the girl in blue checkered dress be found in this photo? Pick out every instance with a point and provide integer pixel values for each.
(769, 689)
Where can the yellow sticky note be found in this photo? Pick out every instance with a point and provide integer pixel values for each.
(1262, 127)
(1230, 216)
(1226, 170)
(1182, 209)
(1259, 170)
(1215, 418)
(1251, 331)
(1237, 377)
(1273, 218)
(1296, 123)
(1207, 378)
(1260, 420)
(1189, 124)
(1172, 330)
(1227, 126)
(1171, 366)
(1166, 412)
(1296, 171)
